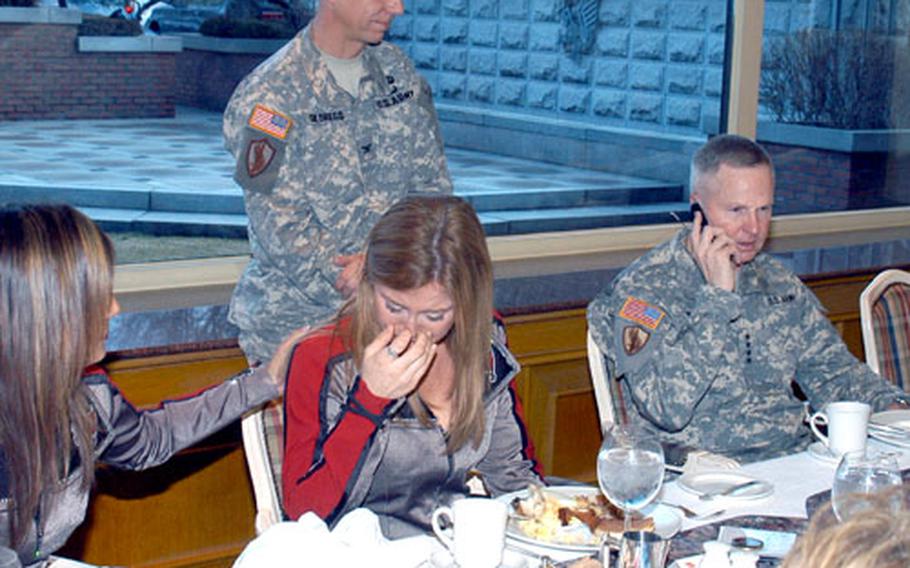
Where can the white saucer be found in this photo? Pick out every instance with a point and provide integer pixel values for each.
(898, 418)
(510, 559)
(714, 481)
(820, 452)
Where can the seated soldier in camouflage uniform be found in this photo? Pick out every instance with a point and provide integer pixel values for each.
(712, 342)
(327, 133)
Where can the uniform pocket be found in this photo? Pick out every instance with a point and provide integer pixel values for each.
(259, 161)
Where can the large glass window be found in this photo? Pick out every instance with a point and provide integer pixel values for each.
(557, 114)
(834, 104)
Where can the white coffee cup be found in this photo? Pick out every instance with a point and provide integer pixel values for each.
(847, 423)
(478, 533)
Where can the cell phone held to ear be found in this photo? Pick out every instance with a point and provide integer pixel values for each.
(695, 207)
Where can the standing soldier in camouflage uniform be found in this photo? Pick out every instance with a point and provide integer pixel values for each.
(706, 337)
(327, 134)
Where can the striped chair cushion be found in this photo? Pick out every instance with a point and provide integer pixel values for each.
(891, 328)
(273, 431)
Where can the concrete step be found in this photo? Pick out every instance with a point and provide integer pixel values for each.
(554, 197)
(221, 214)
(169, 223)
(228, 202)
(518, 221)
(496, 223)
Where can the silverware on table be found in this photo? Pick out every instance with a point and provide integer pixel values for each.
(729, 490)
(692, 515)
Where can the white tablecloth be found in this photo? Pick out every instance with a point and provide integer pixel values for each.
(357, 538)
(795, 478)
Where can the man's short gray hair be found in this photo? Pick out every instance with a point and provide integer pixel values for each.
(727, 149)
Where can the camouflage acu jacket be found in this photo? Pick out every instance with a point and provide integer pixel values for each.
(716, 370)
(318, 167)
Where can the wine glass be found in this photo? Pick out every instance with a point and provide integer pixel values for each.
(630, 468)
(861, 473)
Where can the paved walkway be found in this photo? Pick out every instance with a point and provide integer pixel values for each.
(136, 170)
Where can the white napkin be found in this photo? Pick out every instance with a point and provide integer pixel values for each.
(355, 541)
(702, 461)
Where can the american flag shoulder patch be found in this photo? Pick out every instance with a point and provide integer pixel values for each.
(270, 121)
(641, 312)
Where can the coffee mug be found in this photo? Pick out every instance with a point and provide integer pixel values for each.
(478, 531)
(847, 423)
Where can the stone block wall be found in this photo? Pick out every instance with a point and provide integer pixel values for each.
(43, 76)
(655, 64)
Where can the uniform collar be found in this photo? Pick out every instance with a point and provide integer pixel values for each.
(324, 85)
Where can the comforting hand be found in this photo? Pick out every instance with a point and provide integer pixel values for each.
(713, 251)
(393, 364)
(351, 272)
(278, 366)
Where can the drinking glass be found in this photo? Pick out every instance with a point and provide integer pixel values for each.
(630, 468)
(861, 473)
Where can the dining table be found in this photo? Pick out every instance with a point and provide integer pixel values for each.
(793, 487)
(801, 484)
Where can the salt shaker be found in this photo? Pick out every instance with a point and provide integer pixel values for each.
(743, 559)
(717, 555)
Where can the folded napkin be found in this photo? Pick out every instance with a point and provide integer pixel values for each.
(355, 541)
(702, 461)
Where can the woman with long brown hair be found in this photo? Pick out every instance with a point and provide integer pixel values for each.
(411, 388)
(59, 414)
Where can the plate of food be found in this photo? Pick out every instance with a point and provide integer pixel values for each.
(577, 518)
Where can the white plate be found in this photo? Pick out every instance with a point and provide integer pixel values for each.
(714, 481)
(667, 520)
(443, 559)
(899, 418)
(820, 452)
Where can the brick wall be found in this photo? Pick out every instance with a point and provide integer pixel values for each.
(813, 180)
(42, 75)
(206, 79)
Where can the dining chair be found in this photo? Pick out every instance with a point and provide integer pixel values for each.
(263, 432)
(884, 308)
(600, 380)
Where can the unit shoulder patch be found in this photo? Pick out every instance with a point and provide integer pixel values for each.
(634, 339)
(259, 155)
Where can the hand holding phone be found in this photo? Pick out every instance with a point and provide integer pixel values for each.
(713, 251)
(696, 208)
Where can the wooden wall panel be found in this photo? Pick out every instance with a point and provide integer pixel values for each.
(197, 510)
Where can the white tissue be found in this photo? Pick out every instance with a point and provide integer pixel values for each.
(356, 541)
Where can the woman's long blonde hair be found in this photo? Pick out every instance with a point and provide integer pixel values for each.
(419, 241)
(56, 272)
(877, 536)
